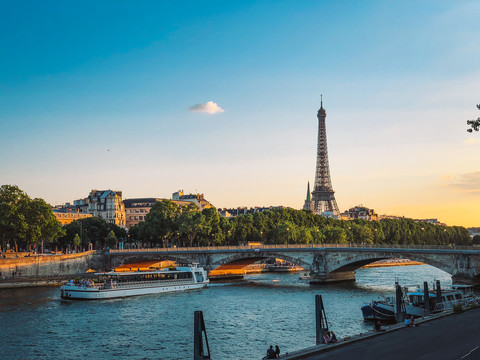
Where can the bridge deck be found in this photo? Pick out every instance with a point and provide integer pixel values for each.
(304, 247)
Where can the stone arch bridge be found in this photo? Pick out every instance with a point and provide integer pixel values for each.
(326, 263)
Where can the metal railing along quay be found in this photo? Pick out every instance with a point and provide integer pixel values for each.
(297, 246)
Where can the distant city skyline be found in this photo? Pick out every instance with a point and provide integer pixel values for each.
(221, 98)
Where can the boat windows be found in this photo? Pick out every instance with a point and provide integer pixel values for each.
(416, 300)
(164, 276)
(199, 276)
(458, 296)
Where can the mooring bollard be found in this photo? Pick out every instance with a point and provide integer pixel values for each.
(199, 333)
(321, 323)
(399, 304)
(439, 292)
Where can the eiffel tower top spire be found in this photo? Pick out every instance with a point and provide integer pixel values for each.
(321, 111)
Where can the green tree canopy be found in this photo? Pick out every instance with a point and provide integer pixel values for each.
(92, 230)
(476, 240)
(25, 221)
(187, 225)
(111, 239)
(76, 241)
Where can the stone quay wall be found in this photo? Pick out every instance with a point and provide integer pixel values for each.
(52, 265)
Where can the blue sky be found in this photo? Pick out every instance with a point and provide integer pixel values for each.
(96, 95)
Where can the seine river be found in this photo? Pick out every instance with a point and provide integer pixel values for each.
(242, 318)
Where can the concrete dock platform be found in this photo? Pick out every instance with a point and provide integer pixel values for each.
(456, 336)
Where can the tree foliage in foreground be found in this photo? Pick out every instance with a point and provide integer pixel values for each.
(168, 224)
(474, 124)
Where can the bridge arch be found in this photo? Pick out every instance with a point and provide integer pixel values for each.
(358, 260)
(251, 258)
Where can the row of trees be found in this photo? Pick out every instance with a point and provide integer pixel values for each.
(169, 224)
(27, 222)
(24, 221)
(92, 232)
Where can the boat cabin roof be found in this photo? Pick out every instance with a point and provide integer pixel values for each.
(164, 271)
(433, 294)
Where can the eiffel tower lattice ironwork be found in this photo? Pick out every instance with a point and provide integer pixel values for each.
(323, 196)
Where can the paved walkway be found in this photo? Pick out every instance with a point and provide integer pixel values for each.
(452, 337)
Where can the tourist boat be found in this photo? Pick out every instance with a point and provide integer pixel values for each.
(305, 276)
(414, 302)
(379, 310)
(457, 295)
(110, 285)
(283, 267)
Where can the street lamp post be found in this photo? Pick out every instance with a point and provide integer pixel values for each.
(287, 235)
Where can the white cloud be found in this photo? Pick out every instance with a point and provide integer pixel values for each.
(209, 107)
(472, 141)
(447, 177)
(469, 183)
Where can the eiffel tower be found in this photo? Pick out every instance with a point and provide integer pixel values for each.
(323, 198)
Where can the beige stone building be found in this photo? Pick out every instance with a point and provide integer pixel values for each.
(360, 212)
(66, 217)
(106, 204)
(137, 209)
(198, 199)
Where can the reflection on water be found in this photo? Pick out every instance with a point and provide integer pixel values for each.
(242, 318)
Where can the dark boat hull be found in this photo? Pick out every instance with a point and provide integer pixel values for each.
(378, 311)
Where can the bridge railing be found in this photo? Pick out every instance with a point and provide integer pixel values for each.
(294, 246)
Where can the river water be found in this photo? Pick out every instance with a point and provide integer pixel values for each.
(242, 318)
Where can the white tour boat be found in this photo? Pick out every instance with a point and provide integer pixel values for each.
(457, 295)
(121, 284)
(414, 302)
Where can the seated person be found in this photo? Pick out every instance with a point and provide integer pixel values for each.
(378, 326)
(412, 321)
(333, 338)
(326, 338)
(407, 322)
(271, 353)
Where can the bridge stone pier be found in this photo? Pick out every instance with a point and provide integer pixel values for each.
(326, 264)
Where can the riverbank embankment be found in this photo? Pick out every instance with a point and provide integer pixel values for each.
(443, 336)
(24, 282)
(392, 262)
(34, 267)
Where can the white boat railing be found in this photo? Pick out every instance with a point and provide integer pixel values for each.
(131, 284)
(126, 285)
